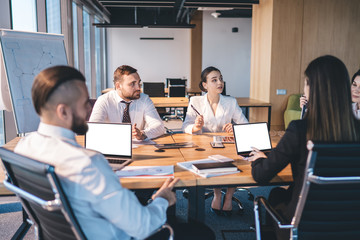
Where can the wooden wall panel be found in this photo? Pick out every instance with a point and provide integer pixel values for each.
(285, 55)
(332, 27)
(299, 31)
(196, 52)
(261, 50)
(261, 36)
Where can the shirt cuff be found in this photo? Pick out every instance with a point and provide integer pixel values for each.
(160, 201)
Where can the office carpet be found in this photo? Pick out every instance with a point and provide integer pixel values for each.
(11, 217)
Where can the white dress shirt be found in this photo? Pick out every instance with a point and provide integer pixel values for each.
(103, 208)
(109, 108)
(227, 111)
(356, 110)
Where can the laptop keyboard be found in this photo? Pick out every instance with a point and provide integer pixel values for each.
(116, 160)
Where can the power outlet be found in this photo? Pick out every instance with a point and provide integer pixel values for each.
(280, 91)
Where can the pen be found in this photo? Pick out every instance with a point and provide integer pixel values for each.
(197, 112)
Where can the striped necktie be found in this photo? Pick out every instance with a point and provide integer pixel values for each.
(126, 116)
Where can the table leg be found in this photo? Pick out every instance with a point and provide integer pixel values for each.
(269, 117)
(196, 209)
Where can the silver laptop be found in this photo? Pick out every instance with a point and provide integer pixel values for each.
(251, 135)
(113, 140)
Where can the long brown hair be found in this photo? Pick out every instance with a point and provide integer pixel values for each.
(330, 116)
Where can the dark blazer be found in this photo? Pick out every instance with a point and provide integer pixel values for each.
(291, 149)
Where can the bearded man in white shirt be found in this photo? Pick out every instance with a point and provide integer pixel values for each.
(104, 209)
(111, 107)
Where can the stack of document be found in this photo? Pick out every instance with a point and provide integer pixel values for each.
(189, 166)
(217, 167)
(146, 172)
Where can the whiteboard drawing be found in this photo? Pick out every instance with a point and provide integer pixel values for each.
(25, 54)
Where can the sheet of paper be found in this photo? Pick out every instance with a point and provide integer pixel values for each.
(131, 171)
(136, 143)
(220, 158)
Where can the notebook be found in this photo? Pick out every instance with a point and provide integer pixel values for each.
(113, 140)
(217, 167)
(251, 135)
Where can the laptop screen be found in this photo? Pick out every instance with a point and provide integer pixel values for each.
(111, 139)
(251, 135)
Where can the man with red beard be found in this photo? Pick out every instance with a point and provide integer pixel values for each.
(127, 104)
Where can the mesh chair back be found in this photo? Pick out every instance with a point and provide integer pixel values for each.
(177, 87)
(39, 179)
(329, 206)
(154, 89)
(177, 91)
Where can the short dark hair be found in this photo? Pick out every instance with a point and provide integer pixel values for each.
(355, 75)
(48, 80)
(204, 75)
(121, 71)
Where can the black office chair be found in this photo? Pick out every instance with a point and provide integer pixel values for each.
(155, 89)
(329, 202)
(176, 88)
(43, 198)
(175, 81)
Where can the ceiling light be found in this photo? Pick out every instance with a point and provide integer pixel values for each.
(215, 14)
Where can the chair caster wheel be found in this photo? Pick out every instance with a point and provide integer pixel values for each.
(186, 193)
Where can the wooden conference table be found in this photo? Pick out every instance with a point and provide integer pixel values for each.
(144, 155)
(183, 102)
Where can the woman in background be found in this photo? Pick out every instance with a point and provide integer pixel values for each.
(213, 112)
(329, 118)
(355, 93)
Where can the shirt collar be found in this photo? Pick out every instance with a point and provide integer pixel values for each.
(55, 131)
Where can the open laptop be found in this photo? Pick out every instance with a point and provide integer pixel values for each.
(113, 140)
(251, 135)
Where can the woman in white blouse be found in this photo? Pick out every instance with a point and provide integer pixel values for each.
(355, 93)
(215, 113)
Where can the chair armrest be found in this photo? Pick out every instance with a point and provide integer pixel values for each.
(333, 180)
(274, 215)
(48, 205)
(164, 226)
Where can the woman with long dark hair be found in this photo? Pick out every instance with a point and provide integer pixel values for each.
(329, 118)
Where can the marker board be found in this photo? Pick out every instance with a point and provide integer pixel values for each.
(25, 54)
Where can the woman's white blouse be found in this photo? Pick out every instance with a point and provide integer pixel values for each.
(356, 110)
(227, 111)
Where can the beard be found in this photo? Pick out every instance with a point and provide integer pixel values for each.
(79, 126)
(135, 95)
